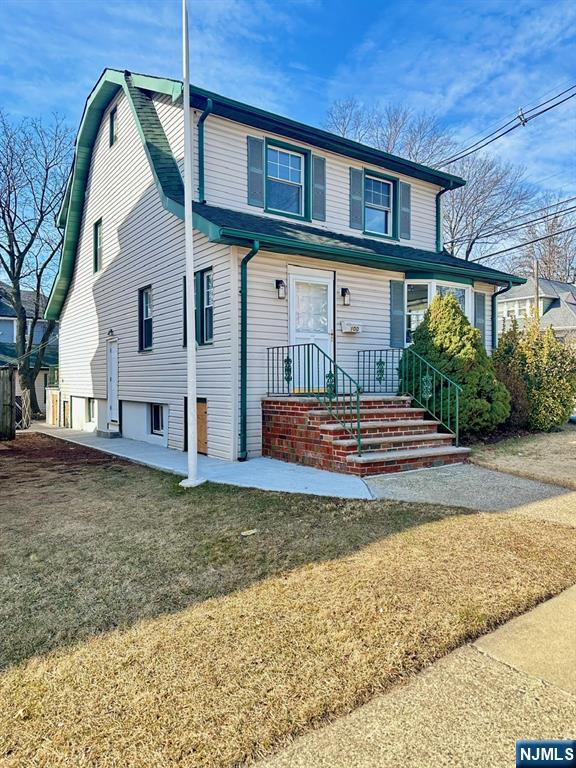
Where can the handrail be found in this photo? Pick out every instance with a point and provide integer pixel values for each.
(306, 370)
(413, 375)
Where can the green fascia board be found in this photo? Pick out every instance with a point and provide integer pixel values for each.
(302, 133)
(162, 164)
(437, 276)
(346, 255)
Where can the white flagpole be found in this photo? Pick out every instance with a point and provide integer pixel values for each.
(192, 478)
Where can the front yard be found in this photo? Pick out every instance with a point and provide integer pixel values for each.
(547, 456)
(141, 627)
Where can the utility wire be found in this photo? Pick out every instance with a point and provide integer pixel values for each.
(522, 245)
(515, 226)
(522, 119)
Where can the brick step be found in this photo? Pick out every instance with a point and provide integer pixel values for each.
(367, 414)
(313, 400)
(381, 428)
(382, 462)
(393, 442)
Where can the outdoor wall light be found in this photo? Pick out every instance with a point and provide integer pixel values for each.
(281, 288)
(345, 293)
(110, 332)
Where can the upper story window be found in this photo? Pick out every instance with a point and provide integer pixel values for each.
(285, 177)
(97, 246)
(378, 195)
(113, 126)
(145, 318)
(204, 306)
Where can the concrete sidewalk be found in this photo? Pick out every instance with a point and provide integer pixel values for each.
(264, 473)
(468, 709)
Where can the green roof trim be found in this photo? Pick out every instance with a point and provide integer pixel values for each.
(162, 164)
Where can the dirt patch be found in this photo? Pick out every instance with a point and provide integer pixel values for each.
(549, 457)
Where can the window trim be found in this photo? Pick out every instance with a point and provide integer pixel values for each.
(394, 181)
(158, 432)
(97, 246)
(113, 126)
(200, 308)
(91, 410)
(306, 181)
(141, 319)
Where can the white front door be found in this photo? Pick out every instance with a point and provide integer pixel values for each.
(311, 304)
(112, 380)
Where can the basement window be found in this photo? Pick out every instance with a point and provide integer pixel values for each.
(156, 419)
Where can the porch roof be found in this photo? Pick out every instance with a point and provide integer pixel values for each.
(222, 225)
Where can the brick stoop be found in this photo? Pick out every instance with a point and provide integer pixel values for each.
(395, 436)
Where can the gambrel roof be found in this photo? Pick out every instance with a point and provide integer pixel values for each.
(139, 90)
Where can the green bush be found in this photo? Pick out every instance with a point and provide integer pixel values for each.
(550, 375)
(509, 368)
(446, 339)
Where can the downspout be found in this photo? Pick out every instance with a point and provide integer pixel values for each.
(439, 217)
(495, 313)
(243, 453)
(203, 116)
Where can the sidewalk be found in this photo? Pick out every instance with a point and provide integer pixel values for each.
(264, 473)
(468, 709)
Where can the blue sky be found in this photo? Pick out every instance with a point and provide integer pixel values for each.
(473, 62)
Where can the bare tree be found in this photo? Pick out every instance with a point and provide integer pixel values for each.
(494, 193)
(394, 129)
(556, 255)
(34, 163)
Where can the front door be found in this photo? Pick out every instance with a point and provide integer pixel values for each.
(311, 303)
(112, 381)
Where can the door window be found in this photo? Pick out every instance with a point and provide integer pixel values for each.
(312, 308)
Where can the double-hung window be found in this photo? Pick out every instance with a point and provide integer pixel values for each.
(204, 286)
(378, 201)
(97, 246)
(285, 180)
(145, 318)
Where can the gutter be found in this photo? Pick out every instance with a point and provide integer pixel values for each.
(203, 116)
(495, 315)
(439, 216)
(243, 453)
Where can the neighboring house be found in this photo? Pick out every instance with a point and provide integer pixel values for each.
(557, 306)
(301, 238)
(8, 340)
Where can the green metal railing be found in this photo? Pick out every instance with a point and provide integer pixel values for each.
(408, 373)
(305, 370)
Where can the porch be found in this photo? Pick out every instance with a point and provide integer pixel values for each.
(399, 413)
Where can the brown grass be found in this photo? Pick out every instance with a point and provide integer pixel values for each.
(223, 681)
(548, 457)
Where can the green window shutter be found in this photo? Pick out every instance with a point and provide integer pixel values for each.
(356, 198)
(480, 314)
(198, 305)
(405, 194)
(255, 172)
(318, 188)
(397, 321)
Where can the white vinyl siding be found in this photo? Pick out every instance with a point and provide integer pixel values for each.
(226, 182)
(268, 319)
(143, 245)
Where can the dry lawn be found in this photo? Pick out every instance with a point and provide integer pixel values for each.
(548, 457)
(219, 682)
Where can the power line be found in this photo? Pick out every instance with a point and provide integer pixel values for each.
(522, 119)
(522, 245)
(516, 226)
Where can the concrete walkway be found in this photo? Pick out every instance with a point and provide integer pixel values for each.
(463, 485)
(468, 709)
(264, 473)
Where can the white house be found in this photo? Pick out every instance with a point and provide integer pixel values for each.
(316, 258)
